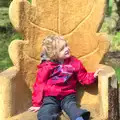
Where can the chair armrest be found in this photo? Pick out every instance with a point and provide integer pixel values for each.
(7, 78)
(108, 93)
(14, 93)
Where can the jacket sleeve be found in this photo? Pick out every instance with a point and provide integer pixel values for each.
(84, 77)
(38, 87)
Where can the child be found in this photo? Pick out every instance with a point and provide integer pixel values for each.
(55, 86)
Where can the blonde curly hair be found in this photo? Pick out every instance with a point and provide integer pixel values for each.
(52, 45)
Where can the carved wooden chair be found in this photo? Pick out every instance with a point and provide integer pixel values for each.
(78, 21)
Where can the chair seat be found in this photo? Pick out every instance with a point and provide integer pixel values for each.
(25, 116)
(94, 111)
(33, 116)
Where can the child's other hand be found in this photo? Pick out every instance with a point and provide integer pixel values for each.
(97, 71)
(33, 109)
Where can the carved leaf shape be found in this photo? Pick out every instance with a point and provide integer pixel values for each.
(62, 16)
(76, 20)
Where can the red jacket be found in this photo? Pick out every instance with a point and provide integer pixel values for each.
(55, 79)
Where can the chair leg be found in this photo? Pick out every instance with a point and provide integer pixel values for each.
(113, 97)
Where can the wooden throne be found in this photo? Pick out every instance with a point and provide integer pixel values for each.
(79, 22)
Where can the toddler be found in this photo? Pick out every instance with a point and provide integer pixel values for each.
(55, 86)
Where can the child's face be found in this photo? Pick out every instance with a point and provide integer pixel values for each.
(64, 51)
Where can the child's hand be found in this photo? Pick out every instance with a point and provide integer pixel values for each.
(34, 109)
(97, 71)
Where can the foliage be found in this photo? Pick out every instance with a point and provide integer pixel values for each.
(5, 39)
(109, 7)
(5, 3)
(30, 1)
(116, 42)
(7, 34)
(4, 18)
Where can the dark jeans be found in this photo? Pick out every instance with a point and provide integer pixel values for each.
(52, 107)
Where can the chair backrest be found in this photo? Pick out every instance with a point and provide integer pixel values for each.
(77, 20)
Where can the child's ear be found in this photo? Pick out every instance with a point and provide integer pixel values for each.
(55, 54)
